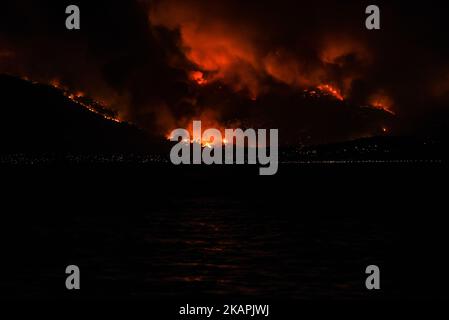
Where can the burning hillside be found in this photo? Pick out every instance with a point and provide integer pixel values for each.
(307, 69)
(82, 100)
(44, 119)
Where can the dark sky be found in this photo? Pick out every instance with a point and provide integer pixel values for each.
(139, 57)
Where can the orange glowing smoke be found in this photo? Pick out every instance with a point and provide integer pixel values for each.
(222, 48)
(226, 52)
(224, 56)
(286, 68)
(333, 91)
(347, 55)
(336, 49)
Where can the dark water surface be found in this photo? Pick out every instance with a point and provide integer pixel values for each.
(196, 233)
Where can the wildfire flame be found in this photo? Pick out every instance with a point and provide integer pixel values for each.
(77, 96)
(382, 102)
(198, 77)
(333, 91)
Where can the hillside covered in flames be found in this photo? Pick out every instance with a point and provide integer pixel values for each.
(309, 69)
(47, 119)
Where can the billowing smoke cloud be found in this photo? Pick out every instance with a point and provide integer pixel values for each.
(232, 43)
(162, 63)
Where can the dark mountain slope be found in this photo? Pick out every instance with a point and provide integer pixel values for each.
(39, 118)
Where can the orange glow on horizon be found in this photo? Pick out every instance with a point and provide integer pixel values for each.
(204, 143)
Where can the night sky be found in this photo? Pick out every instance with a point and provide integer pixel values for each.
(161, 64)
